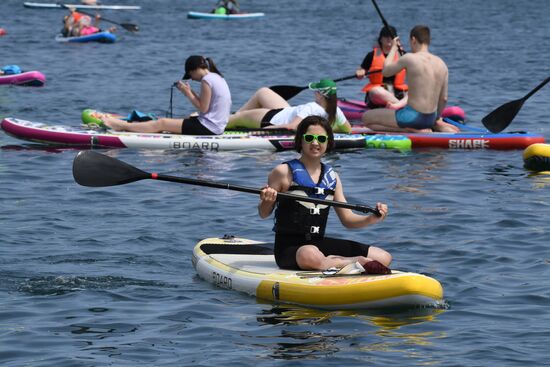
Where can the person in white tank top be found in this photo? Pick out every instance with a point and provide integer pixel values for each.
(213, 102)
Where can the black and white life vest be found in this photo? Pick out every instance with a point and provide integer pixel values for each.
(300, 217)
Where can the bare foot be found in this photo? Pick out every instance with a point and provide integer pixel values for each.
(444, 127)
(418, 131)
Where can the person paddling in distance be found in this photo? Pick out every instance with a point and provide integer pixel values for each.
(383, 91)
(213, 102)
(267, 109)
(76, 24)
(300, 241)
(227, 7)
(427, 77)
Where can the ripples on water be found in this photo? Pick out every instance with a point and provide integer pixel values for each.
(104, 277)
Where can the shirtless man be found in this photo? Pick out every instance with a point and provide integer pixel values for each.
(427, 77)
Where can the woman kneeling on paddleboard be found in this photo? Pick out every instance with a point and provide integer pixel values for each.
(267, 109)
(300, 241)
(213, 103)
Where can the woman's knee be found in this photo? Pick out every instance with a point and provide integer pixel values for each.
(383, 256)
(309, 257)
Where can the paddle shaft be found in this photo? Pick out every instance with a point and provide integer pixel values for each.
(289, 91)
(385, 22)
(252, 190)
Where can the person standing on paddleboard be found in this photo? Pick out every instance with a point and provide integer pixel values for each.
(382, 91)
(213, 103)
(300, 241)
(267, 109)
(427, 77)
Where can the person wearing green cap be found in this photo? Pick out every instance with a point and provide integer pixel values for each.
(267, 109)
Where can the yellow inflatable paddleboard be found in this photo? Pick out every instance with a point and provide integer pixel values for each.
(249, 266)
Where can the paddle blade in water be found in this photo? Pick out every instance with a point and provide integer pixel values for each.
(500, 118)
(97, 170)
(130, 27)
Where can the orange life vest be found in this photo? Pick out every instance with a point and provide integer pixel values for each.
(76, 16)
(377, 79)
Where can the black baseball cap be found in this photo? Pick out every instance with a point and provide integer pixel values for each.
(192, 63)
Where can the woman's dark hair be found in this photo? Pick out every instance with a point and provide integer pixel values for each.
(389, 31)
(312, 121)
(212, 67)
(332, 103)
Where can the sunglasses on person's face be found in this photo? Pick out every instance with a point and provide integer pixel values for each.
(309, 138)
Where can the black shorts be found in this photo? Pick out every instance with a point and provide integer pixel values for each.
(266, 120)
(287, 245)
(192, 126)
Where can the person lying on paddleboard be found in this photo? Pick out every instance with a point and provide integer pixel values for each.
(77, 24)
(427, 76)
(382, 91)
(300, 241)
(267, 109)
(213, 103)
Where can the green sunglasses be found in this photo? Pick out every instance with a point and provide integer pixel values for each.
(309, 138)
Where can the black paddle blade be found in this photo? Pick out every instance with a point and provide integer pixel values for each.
(97, 170)
(130, 27)
(500, 118)
(287, 91)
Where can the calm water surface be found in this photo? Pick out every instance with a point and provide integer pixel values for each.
(94, 277)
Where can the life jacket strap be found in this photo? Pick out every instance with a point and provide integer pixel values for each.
(315, 211)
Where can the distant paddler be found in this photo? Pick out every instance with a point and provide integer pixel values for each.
(227, 7)
(79, 24)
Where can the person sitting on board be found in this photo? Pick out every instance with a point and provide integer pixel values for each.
(213, 103)
(427, 76)
(300, 241)
(77, 24)
(227, 7)
(382, 91)
(267, 109)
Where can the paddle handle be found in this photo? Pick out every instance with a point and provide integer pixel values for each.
(399, 48)
(536, 88)
(251, 190)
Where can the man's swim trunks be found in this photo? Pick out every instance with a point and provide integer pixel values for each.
(409, 117)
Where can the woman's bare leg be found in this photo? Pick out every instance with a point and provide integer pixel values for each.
(264, 98)
(153, 126)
